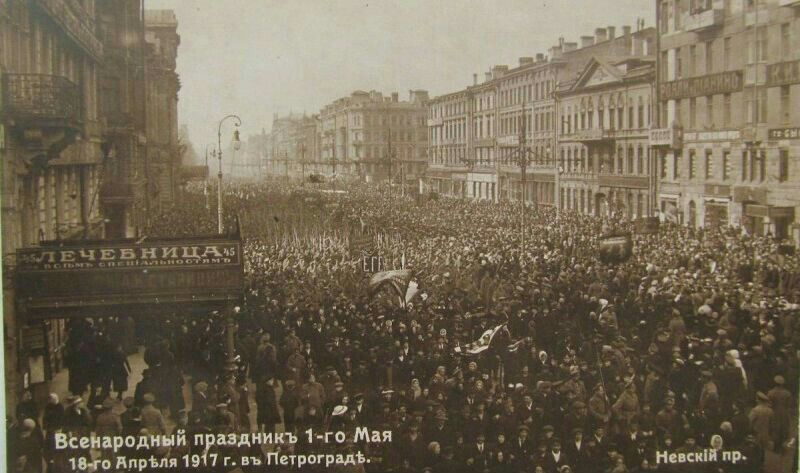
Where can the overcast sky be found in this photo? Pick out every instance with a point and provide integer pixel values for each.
(259, 57)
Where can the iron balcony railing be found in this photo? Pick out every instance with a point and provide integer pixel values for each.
(41, 97)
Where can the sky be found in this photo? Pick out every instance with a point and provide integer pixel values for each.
(256, 58)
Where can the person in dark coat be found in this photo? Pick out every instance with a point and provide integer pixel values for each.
(27, 408)
(289, 403)
(267, 413)
(120, 370)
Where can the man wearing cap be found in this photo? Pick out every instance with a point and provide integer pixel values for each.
(576, 450)
(477, 454)
(152, 419)
(411, 445)
(522, 447)
(762, 419)
(76, 417)
(783, 406)
(556, 458)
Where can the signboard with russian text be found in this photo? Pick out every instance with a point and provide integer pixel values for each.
(783, 73)
(720, 83)
(78, 278)
(784, 133)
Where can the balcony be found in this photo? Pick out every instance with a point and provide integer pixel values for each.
(702, 20)
(76, 22)
(593, 134)
(41, 100)
(116, 192)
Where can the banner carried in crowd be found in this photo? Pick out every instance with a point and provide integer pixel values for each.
(482, 344)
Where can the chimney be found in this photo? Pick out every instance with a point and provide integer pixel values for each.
(539, 57)
(499, 71)
(474, 79)
(395, 97)
(600, 35)
(587, 41)
(570, 47)
(555, 52)
(487, 76)
(626, 30)
(525, 61)
(612, 32)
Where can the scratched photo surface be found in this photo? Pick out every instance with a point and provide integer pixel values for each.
(434, 236)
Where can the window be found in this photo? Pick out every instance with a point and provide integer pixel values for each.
(786, 104)
(709, 164)
(709, 57)
(786, 41)
(758, 170)
(726, 58)
(745, 164)
(726, 109)
(692, 60)
(692, 112)
(629, 157)
(663, 163)
(761, 105)
(678, 64)
(620, 117)
(641, 116)
(692, 163)
(678, 117)
(639, 161)
(663, 66)
(783, 165)
(676, 165)
(709, 111)
(761, 43)
(726, 165)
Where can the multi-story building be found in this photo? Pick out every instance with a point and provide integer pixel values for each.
(292, 148)
(483, 161)
(374, 137)
(162, 160)
(729, 98)
(51, 153)
(121, 84)
(603, 153)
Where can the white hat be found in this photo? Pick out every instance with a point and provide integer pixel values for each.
(339, 410)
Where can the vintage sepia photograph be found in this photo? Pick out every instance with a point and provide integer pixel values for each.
(400, 236)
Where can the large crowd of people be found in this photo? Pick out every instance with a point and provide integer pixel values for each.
(690, 344)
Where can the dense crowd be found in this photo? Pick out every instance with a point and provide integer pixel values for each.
(690, 344)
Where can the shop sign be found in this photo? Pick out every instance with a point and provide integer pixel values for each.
(720, 83)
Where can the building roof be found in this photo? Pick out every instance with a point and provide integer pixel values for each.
(164, 18)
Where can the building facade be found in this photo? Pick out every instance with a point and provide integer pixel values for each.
(604, 153)
(121, 93)
(51, 152)
(729, 114)
(484, 159)
(162, 160)
(373, 137)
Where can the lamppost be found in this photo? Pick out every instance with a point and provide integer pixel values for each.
(236, 145)
(205, 186)
(524, 157)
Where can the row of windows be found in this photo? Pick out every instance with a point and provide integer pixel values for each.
(755, 109)
(636, 117)
(526, 93)
(384, 120)
(579, 159)
(753, 166)
(703, 58)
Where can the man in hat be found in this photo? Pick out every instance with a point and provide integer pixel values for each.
(577, 417)
(522, 447)
(77, 419)
(440, 431)
(200, 397)
(577, 451)
(411, 445)
(477, 454)
(360, 409)
(762, 419)
(783, 406)
(669, 419)
(556, 458)
(152, 419)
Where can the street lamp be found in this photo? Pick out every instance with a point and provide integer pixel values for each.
(524, 157)
(236, 145)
